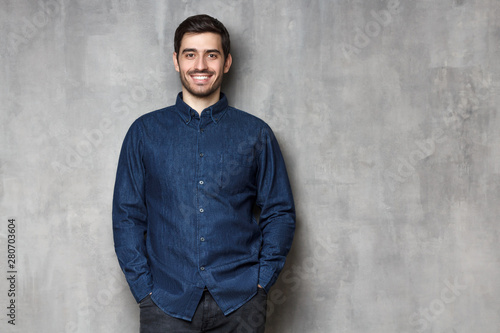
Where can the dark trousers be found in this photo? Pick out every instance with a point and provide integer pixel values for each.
(249, 318)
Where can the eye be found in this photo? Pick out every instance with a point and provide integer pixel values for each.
(189, 55)
(212, 55)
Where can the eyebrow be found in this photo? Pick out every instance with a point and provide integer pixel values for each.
(195, 50)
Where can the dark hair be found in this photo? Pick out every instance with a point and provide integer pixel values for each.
(199, 24)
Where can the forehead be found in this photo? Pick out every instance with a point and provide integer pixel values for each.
(203, 41)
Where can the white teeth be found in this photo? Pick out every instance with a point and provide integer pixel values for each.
(200, 77)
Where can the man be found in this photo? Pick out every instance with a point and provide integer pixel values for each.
(188, 180)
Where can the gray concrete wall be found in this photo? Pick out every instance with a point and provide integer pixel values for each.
(387, 112)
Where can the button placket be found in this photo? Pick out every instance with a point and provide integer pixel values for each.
(201, 198)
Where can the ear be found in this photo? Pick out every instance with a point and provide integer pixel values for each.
(228, 62)
(176, 62)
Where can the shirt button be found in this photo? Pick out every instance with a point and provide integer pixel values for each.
(202, 239)
(202, 268)
(201, 210)
(202, 182)
(201, 154)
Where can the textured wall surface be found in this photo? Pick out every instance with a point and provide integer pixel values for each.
(387, 113)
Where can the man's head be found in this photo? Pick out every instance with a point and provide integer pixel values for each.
(201, 57)
(199, 24)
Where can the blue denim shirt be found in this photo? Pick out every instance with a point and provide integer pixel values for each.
(185, 192)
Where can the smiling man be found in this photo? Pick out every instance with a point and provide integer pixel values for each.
(196, 257)
(201, 63)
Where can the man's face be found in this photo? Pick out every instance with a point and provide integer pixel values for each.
(201, 64)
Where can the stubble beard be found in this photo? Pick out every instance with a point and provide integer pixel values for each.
(201, 94)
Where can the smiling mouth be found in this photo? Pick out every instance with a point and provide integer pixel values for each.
(200, 77)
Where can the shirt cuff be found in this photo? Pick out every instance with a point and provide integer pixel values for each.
(142, 287)
(265, 278)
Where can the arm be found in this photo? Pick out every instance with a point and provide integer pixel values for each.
(277, 217)
(130, 215)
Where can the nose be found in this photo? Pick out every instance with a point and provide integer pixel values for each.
(201, 63)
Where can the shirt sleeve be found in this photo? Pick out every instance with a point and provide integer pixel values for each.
(130, 214)
(277, 216)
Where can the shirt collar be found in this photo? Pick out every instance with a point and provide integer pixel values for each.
(215, 111)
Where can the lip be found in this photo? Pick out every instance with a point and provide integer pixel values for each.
(201, 78)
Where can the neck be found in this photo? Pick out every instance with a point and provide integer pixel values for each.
(200, 103)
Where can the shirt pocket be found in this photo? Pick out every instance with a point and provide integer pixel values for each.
(237, 172)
